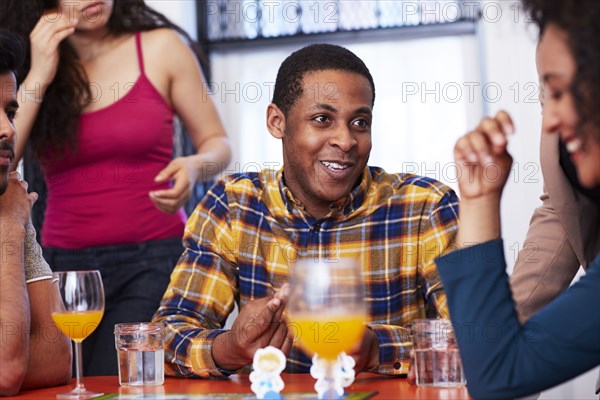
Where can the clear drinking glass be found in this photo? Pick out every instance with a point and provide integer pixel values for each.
(327, 309)
(78, 315)
(437, 358)
(141, 354)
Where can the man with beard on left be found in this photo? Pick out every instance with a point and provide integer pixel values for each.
(30, 340)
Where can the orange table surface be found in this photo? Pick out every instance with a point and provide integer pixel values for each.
(386, 387)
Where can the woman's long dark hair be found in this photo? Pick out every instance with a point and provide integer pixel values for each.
(55, 126)
(580, 19)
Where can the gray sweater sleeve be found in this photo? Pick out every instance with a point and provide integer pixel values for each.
(36, 268)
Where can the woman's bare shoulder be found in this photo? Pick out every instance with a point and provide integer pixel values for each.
(164, 39)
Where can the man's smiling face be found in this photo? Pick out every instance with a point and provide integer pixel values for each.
(327, 138)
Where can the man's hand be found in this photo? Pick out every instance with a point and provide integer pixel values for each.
(16, 203)
(259, 324)
(366, 355)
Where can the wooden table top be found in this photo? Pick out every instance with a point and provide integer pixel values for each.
(386, 387)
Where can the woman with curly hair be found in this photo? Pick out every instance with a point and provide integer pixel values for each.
(98, 95)
(502, 357)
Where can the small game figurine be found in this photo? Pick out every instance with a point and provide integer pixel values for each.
(342, 375)
(267, 366)
(345, 369)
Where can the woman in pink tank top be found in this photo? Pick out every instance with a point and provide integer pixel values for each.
(97, 102)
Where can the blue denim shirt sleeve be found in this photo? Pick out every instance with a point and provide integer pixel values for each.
(501, 357)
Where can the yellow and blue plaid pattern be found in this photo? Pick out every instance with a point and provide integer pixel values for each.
(248, 229)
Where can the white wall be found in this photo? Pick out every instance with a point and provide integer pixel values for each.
(181, 12)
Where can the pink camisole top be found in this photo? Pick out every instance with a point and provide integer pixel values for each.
(98, 194)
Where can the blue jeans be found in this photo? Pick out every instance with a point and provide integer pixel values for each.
(135, 277)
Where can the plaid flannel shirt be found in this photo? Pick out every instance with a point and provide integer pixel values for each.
(241, 238)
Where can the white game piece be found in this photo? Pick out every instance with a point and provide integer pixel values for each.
(342, 375)
(267, 365)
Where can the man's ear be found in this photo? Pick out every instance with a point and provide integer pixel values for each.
(275, 121)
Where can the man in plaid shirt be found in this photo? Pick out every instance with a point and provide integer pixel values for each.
(324, 203)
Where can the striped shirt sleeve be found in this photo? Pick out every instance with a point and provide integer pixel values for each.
(202, 290)
(437, 236)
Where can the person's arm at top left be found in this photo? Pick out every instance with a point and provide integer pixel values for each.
(47, 345)
(15, 206)
(189, 96)
(49, 360)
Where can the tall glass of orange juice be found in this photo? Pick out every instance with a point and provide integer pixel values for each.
(77, 314)
(327, 309)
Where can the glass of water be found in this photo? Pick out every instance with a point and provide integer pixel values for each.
(141, 354)
(437, 359)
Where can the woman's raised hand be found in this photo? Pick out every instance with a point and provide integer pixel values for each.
(52, 28)
(483, 162)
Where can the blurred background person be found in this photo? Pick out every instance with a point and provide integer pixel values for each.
(100, 88)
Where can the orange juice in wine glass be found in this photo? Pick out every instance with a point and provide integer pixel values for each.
(77, 314)
(77, 325)
(328, 336)
(327, 311)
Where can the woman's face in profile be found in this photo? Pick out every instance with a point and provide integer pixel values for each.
(556, 69)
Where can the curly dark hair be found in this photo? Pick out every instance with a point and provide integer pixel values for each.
(11, 52)
(56, 123)
(580, 19)
(313, 58)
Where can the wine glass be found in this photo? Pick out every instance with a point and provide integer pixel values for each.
(78, 315)
(327, 310)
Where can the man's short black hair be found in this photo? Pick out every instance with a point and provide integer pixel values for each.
(313, 58)
(11, 52)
